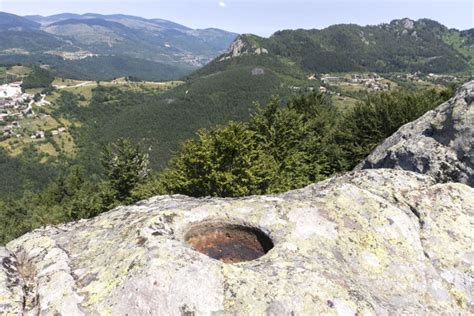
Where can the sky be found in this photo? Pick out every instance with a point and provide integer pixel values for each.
(261, 17)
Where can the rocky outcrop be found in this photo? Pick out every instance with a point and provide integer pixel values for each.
(370, 242)
(440, 143)
(238, 47)
(244, 45)
(408, 24)
(11, 285)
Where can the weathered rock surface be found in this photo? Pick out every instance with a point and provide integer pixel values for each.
(370, 242)
(440, 143)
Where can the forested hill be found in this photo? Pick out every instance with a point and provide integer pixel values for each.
(399, 46)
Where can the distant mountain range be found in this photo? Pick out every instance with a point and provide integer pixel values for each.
(94, 46)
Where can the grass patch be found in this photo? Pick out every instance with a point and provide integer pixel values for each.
(21, 71)
(47, 148)
(347, 87)
(343, 103)
(45, 123)
(66, 143)
(14, 146)
(67, 82)
(34, 91)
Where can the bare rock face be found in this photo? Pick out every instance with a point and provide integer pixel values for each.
(243, 46)
(408, 24)
(373, 242)
(440, 143)
(238, 47)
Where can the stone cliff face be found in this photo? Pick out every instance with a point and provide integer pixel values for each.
(440, 143)
(368, 242)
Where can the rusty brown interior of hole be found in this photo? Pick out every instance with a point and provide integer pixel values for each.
(228, 243)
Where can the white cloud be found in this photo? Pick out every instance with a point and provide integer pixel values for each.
(222, 4)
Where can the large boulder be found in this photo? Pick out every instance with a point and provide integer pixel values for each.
(370, 242)
(440, 143)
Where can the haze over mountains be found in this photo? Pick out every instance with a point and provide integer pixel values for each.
(94, 46)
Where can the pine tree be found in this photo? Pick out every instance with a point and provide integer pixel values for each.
(126, 166)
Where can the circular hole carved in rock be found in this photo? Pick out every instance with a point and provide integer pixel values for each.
(228, 242)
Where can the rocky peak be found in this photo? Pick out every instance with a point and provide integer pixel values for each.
(407, 24)
(404, 26)
(244, 45)
(238, 47)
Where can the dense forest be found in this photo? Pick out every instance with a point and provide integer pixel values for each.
(162, 120)
(101, 68)
(283, 145)
(38, 78)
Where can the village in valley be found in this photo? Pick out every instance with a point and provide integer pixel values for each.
(346, 89)
(16, 105)
(27, 119)
(372, 82)
(30, 120)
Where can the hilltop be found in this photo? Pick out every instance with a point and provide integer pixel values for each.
(80, 154)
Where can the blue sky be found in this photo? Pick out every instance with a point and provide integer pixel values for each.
(262, 17)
